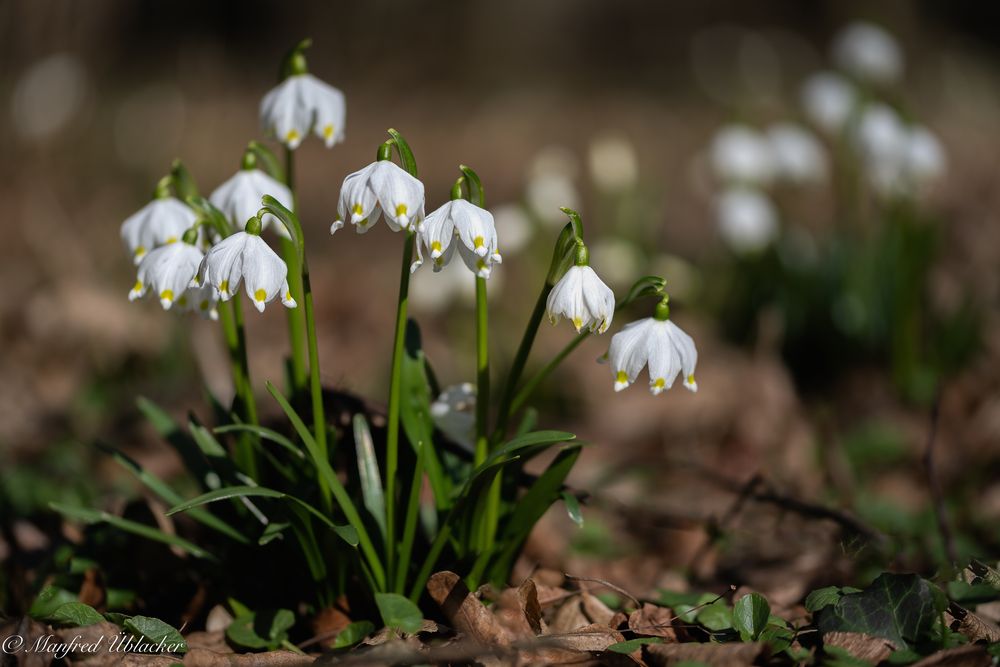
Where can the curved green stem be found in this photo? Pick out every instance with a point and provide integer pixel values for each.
(296, 325)
(315, 385)
(395, 386)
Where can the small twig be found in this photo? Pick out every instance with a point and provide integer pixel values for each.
(934, 486)
(607, 584)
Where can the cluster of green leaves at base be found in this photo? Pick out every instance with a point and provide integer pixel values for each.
(279, 521)
(59, 607)
(749, 619)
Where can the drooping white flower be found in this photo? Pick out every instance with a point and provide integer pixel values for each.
(160, 222)
(168, 271)
(582, 298)
(302, 103)
(740, 154)
(828, 100)
(454, 412)
(658, 344)
(798, 155)
(747, 219)
(881, 138)
(239, 198)
(380, 188)
(246, 257)
(474, 229)
(868, 52)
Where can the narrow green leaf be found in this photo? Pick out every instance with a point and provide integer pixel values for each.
(528, 422)
(263, 433)
(156, 631)
(415, 413)
(328, 477)
(529, 444)
(398, 612)
(272, 531)
(75, 614)
(183, 444)
(368, 472)
(142, 530)
(210, 447)
(573, 508)
(750, 616)
(353, 633)
(168, 495)
(346, 533)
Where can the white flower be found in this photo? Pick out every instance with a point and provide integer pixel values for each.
(169, 271)
(239, 198)
(581, 297)
(747, 219)
(925, 158)
(454, 412)
(868, 52)
(829, 99)
(162, 221)
(302, 103)
(474, 229)
(381, 187)
(613, 163)
(742, 155)
(658, 344)
(246, 257)
(200, 299)
(798, 155)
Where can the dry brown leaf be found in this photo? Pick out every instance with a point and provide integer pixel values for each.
(219, 618)
(527, 595)
(975, 627)
(92, 589)
(861, 646)
(31, 631)
(465, 613)
(595, 610)
(971, 655)
(652, 621)
(213, 641)
(595, 637)
(202, 657)
(717, 655)
(569, 617)
(549, 596)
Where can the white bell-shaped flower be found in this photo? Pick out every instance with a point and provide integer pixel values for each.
(828, 100)
(239, 198)
(868, 52)
(168, 271)
(302, 103)
(798, 155)
(200, 299)
(476, 235)
(582, 298)
(380, 188)
(160, 222)
(740, 154)
(658, 344)
(245, 257)
(748, 221)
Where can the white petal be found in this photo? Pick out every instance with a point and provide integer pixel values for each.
(400, 195)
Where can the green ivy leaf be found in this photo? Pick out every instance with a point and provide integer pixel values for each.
(75, 614)
(750, 616)
(398, 612)
(899, 607)
(353, 633)
(156, 631)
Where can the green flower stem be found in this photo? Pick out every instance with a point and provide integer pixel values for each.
(296, 324)
(315, 386)
(532, 384)
(520, 360)
(482, 373)
(412, 512)
(395, 386)
(232, 326)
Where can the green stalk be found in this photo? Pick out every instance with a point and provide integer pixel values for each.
(520, 359)
(532, 384)
(412, 512)
(235, 335)
(296, 326)
(395, 386)
(482, 373)
(315, 386)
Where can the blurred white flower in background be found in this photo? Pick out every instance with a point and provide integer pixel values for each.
(613, 163)
(925, 157)
(239, 198)
(454, 412)
(828, 100)
(798, 155)
(898, 158)
(514, 225)
(619, 260)
(740, 154)
(868, 52)
(47, 96)
(434, 293)
(551, 185)
(748, 221)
